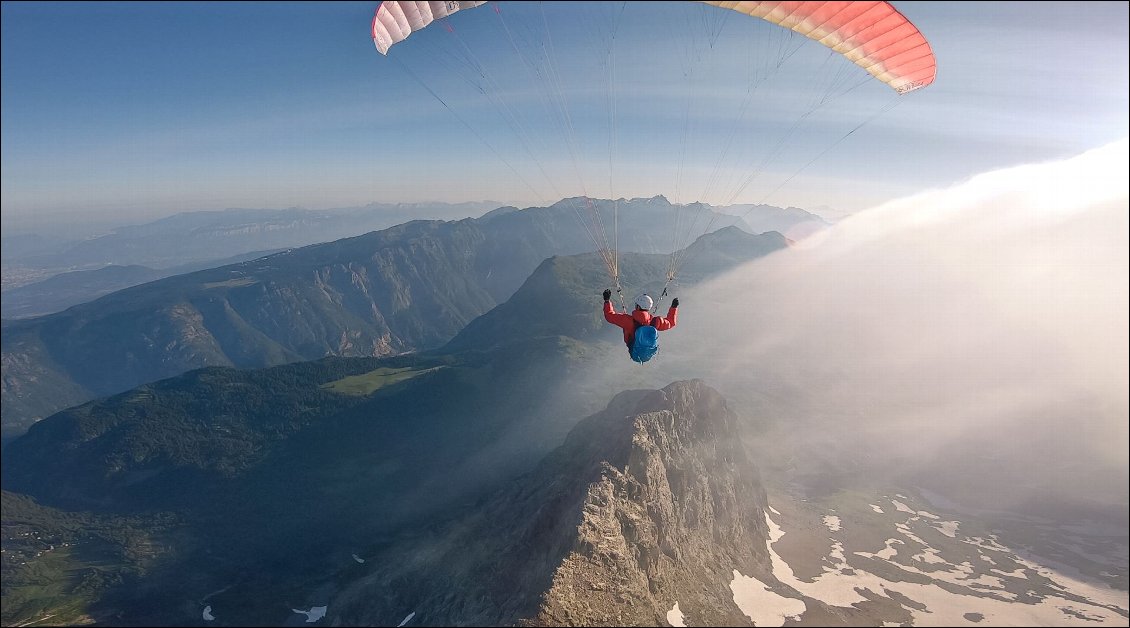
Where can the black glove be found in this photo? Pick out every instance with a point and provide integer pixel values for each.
(675, 302)
(607, 294)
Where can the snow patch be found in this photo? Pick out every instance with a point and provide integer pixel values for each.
(1069, 601)
(675, 616)
(312, 615)
(948, 528)
(763, 606)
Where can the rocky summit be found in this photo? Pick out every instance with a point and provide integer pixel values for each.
(651, 502)
(671, 524)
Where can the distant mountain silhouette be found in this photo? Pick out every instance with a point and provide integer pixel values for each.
(198, 236)
(61, 291)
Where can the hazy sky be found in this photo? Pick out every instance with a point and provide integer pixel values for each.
(139, 110)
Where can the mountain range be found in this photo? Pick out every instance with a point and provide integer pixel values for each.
(200, 239)
(59, 292)
(206, 473)
(201, 236)
(406, 288)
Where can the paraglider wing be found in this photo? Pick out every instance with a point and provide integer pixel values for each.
(395, 21)
(873, 35)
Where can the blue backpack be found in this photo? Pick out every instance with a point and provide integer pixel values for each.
(645, 344)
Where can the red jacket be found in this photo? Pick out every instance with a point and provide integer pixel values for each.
(627, 322)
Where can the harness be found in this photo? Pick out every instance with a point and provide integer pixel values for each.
(638, 324)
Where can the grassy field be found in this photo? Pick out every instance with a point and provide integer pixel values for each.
(367, 383)
(238, 282)
(54, 589)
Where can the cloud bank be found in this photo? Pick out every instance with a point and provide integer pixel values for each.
(975, 335)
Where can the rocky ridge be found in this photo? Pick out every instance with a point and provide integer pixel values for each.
(651, 502)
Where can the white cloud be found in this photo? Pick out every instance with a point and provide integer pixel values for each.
(987, 321)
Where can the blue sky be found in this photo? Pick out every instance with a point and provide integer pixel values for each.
(139, 110)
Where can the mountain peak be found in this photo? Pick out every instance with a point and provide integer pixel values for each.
(650, 502)
(674, 510)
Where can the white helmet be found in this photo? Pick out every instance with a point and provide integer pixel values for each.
(644, 302)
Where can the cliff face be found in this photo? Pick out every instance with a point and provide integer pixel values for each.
(651, 502)
(668, 526)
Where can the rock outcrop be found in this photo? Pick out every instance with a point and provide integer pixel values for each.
(668, 526)
(651, 502)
